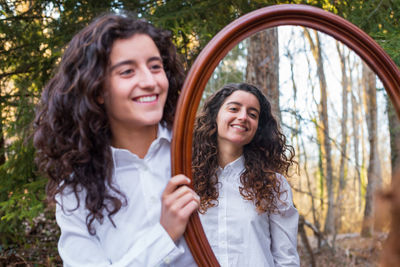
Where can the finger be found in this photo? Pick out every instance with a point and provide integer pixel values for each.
(180, 191)
(174, 182)
(183, 200)
(189, 208)
(175, 201)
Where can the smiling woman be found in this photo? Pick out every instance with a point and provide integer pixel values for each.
(102, 132)
(239, 156)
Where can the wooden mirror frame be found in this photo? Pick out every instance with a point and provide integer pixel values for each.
(222, 43)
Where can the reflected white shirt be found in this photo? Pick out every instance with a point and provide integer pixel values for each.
(239, 236)
(138, 238)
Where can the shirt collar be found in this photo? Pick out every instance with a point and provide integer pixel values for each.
(164, 133)
(236, 164)
(123, 157)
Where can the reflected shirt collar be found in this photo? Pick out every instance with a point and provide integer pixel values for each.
(236, 164)
(123, 157)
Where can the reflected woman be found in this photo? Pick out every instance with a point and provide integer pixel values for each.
(239, 159)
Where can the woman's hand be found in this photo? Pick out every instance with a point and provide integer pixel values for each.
(178, 203)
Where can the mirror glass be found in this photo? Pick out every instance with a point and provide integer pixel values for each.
(319, 90)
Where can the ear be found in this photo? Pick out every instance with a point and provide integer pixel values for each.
(100, 100)
(102, 93)
(101, 97)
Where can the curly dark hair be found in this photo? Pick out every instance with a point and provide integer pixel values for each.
(72, 135)
(266, 154)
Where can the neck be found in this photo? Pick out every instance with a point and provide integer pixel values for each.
(228, 153)
(136, 140)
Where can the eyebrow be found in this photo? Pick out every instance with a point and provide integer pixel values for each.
(240, 104)
(132, 62)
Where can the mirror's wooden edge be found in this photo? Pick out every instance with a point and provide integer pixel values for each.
(226, 39)
(194, 234)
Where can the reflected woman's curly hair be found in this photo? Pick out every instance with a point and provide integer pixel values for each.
(72, 132)
(266, 155)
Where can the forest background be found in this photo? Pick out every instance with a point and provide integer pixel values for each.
(33, 35)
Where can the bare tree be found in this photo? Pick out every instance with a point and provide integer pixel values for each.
(374, 166)
(323, 129)
(355, 122)
(343, 143)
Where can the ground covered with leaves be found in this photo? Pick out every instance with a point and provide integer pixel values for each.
(38, 247)
(347, 250)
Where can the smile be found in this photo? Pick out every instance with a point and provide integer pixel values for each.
(240, 127)
(146, 99)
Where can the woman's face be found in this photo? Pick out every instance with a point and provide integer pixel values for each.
(237, 119)
(136, 85)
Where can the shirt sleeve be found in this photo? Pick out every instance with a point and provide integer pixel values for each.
(283, 228)
(78, 248)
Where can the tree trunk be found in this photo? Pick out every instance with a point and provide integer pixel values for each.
(296, 131)
(394, 132)
(324, 121)
(310, 192)
(263, 66)
(343, 143)
(306, 243)
(356, 125)
(363, 118)
(374, 167)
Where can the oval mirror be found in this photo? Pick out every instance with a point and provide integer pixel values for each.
(204, 66)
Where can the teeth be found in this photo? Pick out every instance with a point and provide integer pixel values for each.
(239, 127)
(145, 99)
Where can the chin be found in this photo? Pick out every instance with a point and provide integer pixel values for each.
(239, 142)
(153, 122)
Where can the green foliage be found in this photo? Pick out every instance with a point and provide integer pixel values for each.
(193, 23)
(20, 193)
(378, 18)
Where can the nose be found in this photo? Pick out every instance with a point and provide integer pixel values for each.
(242, 115)
(146, 79)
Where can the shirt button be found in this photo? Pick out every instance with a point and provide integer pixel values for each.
(167, 260)
(153, 200)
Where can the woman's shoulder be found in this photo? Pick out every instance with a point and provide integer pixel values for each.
(71, 199)
(284, 189)
(284, 183)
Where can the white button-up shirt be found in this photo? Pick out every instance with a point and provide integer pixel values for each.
(239, 236)
(138, 238)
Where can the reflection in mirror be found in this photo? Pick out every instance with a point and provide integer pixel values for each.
(330, 106)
